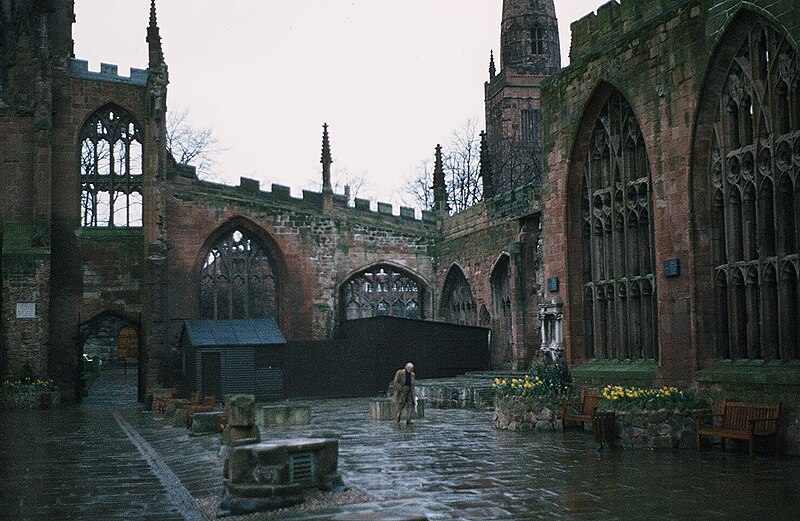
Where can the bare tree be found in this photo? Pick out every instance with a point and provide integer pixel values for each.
(191, 145)
(348, 183)
(461, 163)
(343, 181)
(462, 166)
(418, 191)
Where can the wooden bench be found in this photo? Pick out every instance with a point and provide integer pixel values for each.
(741, 421)
(588, 406)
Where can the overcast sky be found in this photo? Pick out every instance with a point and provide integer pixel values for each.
(392, 78)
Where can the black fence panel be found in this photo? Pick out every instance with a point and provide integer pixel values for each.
(365, 356)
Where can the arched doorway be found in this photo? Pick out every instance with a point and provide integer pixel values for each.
(109, 341)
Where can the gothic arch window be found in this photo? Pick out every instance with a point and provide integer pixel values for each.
(382, 290)
(458, 304)
(617, 239)
(111, 169)
(502, 308)
(754, 181)
(237, 279)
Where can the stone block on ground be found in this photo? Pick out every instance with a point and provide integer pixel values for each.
(272, 416)
(173, 405)
(384, 409)
(240, 410)
(206, 422)
(299, 414)
(281, 415)
(272, 475)
(179, 418)
(236, 436)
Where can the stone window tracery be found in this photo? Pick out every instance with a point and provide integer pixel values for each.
(458, 304)
(237, 279)
(382, 291)
(617, 235)
(755, 190)
(111, 170)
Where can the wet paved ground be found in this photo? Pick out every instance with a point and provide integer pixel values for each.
(78, 463)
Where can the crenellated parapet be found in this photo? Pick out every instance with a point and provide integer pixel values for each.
(596, 31)
(280, 195)
(108, 72)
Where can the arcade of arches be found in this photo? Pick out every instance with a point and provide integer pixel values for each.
(666, 219)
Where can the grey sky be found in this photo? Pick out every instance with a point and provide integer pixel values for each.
(392, 78)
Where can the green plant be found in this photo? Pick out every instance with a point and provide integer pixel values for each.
(546, 379)
(26, 374)
(554, 374)
(27, 385)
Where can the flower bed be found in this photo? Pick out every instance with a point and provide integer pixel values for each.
(28, 395)
(531, 402)
(526, 413)
(653, 418)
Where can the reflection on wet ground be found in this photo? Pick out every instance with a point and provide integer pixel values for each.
(77, 462)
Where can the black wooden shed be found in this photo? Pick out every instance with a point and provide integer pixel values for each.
(222, 357)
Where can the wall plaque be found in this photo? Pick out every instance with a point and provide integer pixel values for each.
(672, 267)
(26, 310)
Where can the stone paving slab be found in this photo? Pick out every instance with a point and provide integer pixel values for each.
(77, 463)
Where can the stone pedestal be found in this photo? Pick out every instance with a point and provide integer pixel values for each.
(272, 475)
(174, 405)
(384, 409)
(240, 411)
(206, 422)
(280, 415)
(179, 418)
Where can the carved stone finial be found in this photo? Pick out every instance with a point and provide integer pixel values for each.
(154, 38)
(326, 158)
(492, 68)
(439, 185)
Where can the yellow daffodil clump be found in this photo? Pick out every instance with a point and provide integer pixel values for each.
(618, 396)
(519, 386)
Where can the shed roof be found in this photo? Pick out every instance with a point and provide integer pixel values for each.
(252, 332)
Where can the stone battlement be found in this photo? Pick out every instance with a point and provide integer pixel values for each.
(107, 72)
(597, 30)
(282, 194)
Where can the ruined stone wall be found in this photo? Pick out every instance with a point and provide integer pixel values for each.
(113, 272)
(313, 252)
(474, 240)
(657, 54)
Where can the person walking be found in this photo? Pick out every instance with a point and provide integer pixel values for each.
(404, 391)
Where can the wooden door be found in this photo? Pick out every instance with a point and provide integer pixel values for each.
(211, 375)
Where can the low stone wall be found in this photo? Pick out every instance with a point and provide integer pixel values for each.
(662, 429)
(526, 414)
(633, 429)
(29, 399)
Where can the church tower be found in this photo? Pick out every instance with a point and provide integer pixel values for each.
(529, 53)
